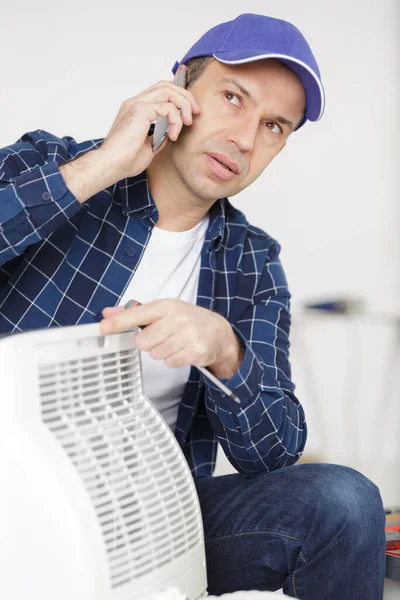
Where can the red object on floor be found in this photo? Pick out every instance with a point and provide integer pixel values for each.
(393, 534)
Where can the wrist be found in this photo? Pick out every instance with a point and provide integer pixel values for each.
(231, 356)
(89, 174)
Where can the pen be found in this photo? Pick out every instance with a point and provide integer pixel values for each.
(203, 370)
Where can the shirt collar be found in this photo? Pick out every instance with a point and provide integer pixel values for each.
(135, 197)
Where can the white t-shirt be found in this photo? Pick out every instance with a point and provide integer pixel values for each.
(169, 268)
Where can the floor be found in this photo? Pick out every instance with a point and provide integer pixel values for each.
(392, 590)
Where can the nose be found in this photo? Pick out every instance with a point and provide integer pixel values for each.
(243, 133)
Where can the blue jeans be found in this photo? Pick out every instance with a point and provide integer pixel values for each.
(317, 530)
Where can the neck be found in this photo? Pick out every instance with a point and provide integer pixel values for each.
(179, 209)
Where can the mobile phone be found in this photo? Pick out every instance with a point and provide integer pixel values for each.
(162, 124)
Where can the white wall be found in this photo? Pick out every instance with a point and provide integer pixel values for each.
(331, 198)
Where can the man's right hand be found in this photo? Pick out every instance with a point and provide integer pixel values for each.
(128, 145)
(127, 149)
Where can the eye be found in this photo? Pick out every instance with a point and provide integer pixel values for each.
(273, 127)
(232, 98)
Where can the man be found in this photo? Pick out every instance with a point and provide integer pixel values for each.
(85, 227)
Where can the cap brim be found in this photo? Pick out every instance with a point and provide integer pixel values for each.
(315, 94)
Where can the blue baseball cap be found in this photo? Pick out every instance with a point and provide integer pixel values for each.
(252, 37)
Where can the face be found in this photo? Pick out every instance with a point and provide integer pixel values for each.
(247, 113)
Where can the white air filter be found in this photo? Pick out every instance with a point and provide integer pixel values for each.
(97, 501)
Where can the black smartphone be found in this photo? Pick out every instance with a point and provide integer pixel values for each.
(161, 126)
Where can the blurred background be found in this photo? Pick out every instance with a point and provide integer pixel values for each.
(331, 197)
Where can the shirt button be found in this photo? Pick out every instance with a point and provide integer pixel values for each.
(131, 251)
(46, 196)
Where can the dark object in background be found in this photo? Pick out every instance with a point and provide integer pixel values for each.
(338, 305)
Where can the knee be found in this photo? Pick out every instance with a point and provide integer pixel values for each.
(346, 499)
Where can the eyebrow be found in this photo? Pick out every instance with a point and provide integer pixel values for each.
(246, 93)
(238, 85)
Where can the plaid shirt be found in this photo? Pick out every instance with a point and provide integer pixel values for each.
(62, 262)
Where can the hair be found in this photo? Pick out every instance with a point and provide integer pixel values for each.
(196, 66)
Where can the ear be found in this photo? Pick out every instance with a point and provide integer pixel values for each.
(181, 68)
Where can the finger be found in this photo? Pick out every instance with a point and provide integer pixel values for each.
(179, 359)
(190, 98)
(167, 91)
(175, 122)
(154, 334)
(184, 110)
(136, 316)
(111, 311)
(162, 85)
(168, 348)
(169, 110)
(187, 109)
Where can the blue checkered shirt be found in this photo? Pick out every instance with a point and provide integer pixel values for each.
(62, 262)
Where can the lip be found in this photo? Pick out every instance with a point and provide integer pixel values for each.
(223, 158)
(218, 171)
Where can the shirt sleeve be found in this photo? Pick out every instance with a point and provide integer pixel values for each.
(267, 430)
(34, 200)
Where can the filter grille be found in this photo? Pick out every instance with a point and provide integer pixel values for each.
(127, 459)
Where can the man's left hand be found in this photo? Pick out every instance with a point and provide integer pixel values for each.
(180, 334)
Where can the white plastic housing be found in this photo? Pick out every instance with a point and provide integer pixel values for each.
(97, 501)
